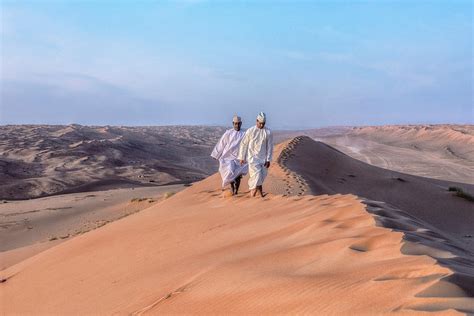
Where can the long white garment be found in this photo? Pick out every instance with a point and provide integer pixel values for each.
(226, 151)
(256, 148)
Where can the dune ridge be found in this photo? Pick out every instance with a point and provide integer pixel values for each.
(441, 151)
(458, 138)
(434, 222)
(329, 171)
(200, 253)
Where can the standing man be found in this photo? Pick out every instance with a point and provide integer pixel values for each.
(226, 152)
(257, 149)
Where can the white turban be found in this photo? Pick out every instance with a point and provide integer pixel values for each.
(236, 119)
(261, 117)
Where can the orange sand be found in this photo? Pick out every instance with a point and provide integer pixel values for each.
(199, 253)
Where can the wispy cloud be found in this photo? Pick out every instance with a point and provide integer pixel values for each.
(297, 55)
(395, 69)
(75, 98)
(213, 59)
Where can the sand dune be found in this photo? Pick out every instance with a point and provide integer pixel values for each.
(329, 171)
(454, 140)
(200, 253)
(423, 208)
(31, 226)
(42, 160)
(45, 160)
(442, 152)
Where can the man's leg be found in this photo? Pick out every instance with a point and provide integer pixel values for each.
(252, 178)
(232, 186)
(259, 190)
(237, 184)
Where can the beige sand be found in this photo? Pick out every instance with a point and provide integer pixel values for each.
(197, 252)
(43, 160)
(423, 209)
(31, 226)
(442, 152)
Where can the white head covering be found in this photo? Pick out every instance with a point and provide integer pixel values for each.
(236, 119)
(261, 117)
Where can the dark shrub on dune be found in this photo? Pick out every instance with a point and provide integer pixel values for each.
(460, 192)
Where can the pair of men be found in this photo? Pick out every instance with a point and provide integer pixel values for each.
(240, 152)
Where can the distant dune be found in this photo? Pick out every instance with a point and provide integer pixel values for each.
(40, 160)
(290, 252)
(436, 151)
(44, 160)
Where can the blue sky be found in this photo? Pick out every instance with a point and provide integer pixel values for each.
(305, 63)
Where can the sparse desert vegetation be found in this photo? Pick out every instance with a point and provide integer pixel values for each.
(139, 199)
(461, 193)
(167, 195)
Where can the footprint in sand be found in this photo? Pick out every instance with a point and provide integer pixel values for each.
(358, 248)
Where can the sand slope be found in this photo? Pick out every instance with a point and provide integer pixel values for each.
(197, 252)
(453, 140)
(31, 226)
(435, 151)
(329, 171)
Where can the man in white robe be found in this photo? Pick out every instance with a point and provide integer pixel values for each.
(226, 152)
(256, 148)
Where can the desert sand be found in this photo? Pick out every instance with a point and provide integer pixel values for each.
(290, 252)
(44, 160)
(423, 208)
(31, 226)
(444, 152)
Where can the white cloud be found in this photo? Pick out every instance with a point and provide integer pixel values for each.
(297, 55)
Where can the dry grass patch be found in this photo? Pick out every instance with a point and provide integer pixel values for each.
(167, 195)
(461, 193)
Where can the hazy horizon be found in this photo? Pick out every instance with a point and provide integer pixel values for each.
(306, 64)
(244, 126)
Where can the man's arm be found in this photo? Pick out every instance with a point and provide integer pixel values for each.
(269, 146)
(219, 148)
(243, 148)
